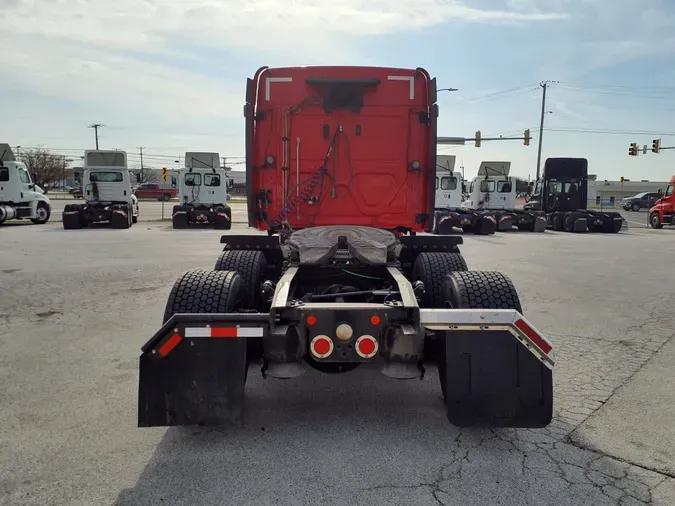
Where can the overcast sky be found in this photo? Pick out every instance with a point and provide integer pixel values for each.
(170, 74)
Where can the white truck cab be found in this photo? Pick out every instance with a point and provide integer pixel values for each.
(448, 183)
(19, 196)
(106, 189)
(492, 188)
(202, 192)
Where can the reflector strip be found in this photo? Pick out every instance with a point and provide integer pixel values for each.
(223, 332)
(534, 337)
(170, 344)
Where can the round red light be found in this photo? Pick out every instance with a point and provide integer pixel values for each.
(375, 320)
(321, 346)
(311, 320)
(366, 346)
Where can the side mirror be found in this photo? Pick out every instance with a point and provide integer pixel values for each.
(230, 183)
(173, 181)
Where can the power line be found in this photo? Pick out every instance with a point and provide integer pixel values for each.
(480, 98)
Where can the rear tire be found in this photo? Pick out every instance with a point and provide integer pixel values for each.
(431, 269)
(118, 220)
(558, 222)
(251, 266)
(635, 207)
(202, 291)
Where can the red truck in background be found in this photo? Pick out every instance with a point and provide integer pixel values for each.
(663, 211)
(154, 191)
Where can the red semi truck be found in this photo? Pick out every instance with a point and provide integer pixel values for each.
(341, 174)
(663, 211)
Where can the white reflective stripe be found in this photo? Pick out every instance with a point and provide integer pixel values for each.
(250, 332)
(198, 332)
(411, 79)
(270, 80)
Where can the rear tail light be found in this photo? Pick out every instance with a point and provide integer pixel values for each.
(366, 346)
(321, 346)
(344, 332)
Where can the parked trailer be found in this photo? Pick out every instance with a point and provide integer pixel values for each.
(19, 195)
(562, 194)
(493, 193)
(449, 214)
(107, 193)
(341, 285)
(202, 192)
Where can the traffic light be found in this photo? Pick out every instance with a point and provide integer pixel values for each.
(477, 138)
(633, 150)
(621, 179)
(526, 141)
(656, 145)
(164, 174)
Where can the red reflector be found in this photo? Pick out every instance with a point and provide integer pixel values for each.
(322, 346)
(367, 346)
(533, 336)
(311, 320)
(224, 332)
(375, 320)
(169, 345)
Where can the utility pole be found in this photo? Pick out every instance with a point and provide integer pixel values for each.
(96, 126)
(142, 173)
(544, 85)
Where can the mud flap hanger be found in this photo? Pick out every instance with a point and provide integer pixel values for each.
(508, 320)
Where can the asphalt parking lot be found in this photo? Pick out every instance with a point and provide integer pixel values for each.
(75, 307)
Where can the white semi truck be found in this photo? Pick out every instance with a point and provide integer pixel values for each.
(106, 189)
(493, 193)
(19, 195)
(202, 192)
(449, 212)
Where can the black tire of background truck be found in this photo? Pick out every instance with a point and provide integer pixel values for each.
(202, 291)
(166, 198)
(220, 222)
(42, 207)
(558, 221)
(655, 221)
(635, 207)
(568, 221)
(431, 268)
(251, 266)
(476, 290)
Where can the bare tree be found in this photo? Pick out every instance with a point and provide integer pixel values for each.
(144, 175)
(45, 168)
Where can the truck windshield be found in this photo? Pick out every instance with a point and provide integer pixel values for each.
(23, 176)
(448, 183)
(211, 180)
(192, 179)
(106, 177)
(487, 186)
(504, 186)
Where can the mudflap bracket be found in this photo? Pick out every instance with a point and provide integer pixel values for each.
(193, 370)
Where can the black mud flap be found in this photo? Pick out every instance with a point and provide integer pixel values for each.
(485, 225)
(580, 225)
(540, 224)
(494, 381)
(200, 382)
